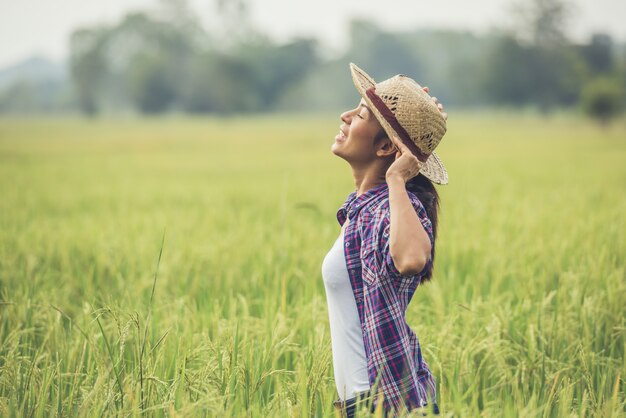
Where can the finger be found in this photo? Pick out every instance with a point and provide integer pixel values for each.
(397, 142)
(401, 147)
(445, 115)
(426, 89)
(436, 100)
(439, 106)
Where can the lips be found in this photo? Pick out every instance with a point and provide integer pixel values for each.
(340, 136)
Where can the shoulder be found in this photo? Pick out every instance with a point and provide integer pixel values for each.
(379, 209)
(374, 212)
(376, 215)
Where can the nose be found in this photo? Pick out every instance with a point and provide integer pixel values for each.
(345, 116)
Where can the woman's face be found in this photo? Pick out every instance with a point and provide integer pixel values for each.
(355, 141)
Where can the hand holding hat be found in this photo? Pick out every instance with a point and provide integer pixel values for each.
(406, 165)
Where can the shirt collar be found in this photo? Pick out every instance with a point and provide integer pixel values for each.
(354, 203)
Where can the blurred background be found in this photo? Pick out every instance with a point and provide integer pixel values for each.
(242, 56)
(200, 131)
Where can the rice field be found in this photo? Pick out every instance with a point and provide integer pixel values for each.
(171, 267)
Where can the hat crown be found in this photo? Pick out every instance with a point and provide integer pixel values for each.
(414, 109)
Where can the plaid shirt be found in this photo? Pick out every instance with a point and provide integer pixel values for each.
(394, 358)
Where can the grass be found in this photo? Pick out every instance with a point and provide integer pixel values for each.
(525, 315)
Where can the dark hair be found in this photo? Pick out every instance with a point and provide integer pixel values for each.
(427, 194)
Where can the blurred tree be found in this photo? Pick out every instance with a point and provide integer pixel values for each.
(275, 68)
(507, 76)
(535, 63)
(520, 74)
(153, 88)
(198, 93)
(557, 74)
(252, 77)
(328, 87)
(386, 53)
(143, 60)
(158, 61)
(88, 66)
(180, 15)
(233, 25)
(466, 64)
(165, 60)
(152, 60)
(542, 22)
(598, 54)
(220, 83)
(602, 99)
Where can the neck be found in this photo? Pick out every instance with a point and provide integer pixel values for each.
(366, 178)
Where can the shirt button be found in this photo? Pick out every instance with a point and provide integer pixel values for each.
(347, 244)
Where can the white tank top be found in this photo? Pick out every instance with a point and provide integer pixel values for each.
(349, 361)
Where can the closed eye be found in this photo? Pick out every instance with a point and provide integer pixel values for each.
(363, 106)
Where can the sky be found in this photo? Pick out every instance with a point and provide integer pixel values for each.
(40, 27)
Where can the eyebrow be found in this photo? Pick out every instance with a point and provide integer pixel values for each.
(365, 106)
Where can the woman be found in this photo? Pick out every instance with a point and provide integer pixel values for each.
(386, 246)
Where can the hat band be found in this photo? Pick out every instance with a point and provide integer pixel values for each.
(393, 121)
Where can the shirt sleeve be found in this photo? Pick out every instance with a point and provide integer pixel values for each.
(387, 267)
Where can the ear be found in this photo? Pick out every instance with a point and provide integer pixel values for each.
(385, 148)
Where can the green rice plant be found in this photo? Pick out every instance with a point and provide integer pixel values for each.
(525, 315)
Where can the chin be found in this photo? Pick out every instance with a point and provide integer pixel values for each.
(335, 150)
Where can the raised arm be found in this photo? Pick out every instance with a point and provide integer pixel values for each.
(409, 243)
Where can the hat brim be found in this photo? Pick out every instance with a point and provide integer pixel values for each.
(433, 168)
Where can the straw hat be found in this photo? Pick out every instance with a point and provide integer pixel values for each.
(407, 112)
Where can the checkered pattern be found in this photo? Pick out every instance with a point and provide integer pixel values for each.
(394, 358)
